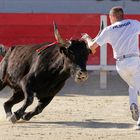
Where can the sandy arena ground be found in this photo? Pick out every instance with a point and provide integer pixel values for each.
(78, 112)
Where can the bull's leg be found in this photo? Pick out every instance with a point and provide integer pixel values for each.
(17, 97)
(28, 100)
(39, 108)
(2, 85)
(4, 62)
(42, 103)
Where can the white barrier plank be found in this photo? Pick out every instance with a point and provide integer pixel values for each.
(103, 56)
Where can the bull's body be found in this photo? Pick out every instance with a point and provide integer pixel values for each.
(42, 75)
(45, 72)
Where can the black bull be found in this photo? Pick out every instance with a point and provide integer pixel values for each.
(42, 75)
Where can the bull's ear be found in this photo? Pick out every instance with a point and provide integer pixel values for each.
(89, 51)
(58, 36)
(63, 50)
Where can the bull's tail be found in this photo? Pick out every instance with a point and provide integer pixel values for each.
(3, 64)
(3, 50)
(2, 53)
(2, 85)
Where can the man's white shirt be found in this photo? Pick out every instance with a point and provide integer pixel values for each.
(122, 36)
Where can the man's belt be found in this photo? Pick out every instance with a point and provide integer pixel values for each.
(126, 56)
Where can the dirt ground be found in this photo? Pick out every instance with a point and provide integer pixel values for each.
(78, 112)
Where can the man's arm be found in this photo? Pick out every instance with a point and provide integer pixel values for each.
(93, 47)
(99, 40)
(137, 26)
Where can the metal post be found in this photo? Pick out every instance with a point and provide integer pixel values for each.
(103, 57)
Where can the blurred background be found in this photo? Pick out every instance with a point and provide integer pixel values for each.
(30, 22)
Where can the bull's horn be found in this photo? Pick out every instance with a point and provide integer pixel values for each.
(57, 34)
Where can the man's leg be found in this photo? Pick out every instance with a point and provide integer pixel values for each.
(130, 73)
(133, 93)
(137, 85)
(133, 100)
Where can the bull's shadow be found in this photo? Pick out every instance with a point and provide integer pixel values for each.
(115, 86)
(99, 124)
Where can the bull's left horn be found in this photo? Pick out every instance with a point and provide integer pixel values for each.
(57, 34)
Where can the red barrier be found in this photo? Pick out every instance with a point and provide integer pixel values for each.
(21, 28)
(37, 28)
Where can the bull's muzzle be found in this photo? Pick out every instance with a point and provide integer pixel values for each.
(81, 76)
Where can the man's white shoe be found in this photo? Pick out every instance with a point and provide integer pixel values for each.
(134, 111)
(138, 124)
(137, 127)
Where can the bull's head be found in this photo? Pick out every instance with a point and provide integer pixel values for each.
(76, 52)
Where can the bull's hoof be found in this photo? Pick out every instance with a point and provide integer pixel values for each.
(26, 117)
(8, 115)
(12, 118)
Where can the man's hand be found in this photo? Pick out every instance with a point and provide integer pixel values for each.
(87, 39)
(91, 44)
(93, 51)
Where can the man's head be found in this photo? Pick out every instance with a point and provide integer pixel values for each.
(116, 14)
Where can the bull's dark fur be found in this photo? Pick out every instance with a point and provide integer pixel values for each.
(42, 75)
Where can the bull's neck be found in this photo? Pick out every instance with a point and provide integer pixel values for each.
(61, 63)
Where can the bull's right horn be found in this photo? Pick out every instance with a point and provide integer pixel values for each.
(58, 36)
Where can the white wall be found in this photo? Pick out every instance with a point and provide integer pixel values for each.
(67, 6)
